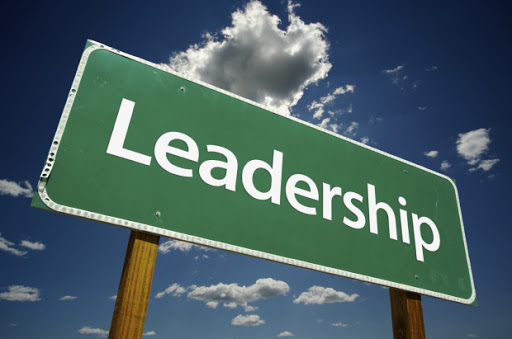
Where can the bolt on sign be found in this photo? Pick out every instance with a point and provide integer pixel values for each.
(142, 147)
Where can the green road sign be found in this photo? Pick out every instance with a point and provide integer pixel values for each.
(141, 147)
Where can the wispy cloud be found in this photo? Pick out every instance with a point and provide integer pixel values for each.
(35, 246)
(285, 334)
(324, 295)
(247, 320)
(97, 331)
(485, 165)
(21, 293)
(318, 107)
(352, 128)
(67, 298)
(148, 333)
(177, 245)
(258, 60)
(399, 78)
(339, 324)
(9, 247)
(326, 124)
(472, 146)
(15, 189)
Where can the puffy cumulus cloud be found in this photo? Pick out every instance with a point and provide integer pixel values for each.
(233, 295)
(472, 146)
(174, 290)
(247, 320)
(319, 295)
(431, 154)
(285, 334)
(21, 293)
(15, 189)
(97, 331)
(258, 60)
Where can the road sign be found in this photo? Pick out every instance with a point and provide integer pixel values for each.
(142, 147)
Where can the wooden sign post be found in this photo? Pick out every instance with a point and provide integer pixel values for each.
(406, 315)
(135, 286)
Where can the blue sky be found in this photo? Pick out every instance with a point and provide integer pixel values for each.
(428, 82)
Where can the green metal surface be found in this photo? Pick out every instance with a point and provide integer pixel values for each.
(84, 176)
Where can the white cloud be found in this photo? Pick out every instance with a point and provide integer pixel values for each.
(149, 333)
(431, 154)
(256, 59)
(365, 140)
(318, 107)
(114, 297)
(324, 295)
(340, 324)
(36, 246)
(399, 78)
(247, 320)
(285, 334)
(430, 69)
(88, 330)
(177, 245)
(67, 297)
(14, 189)
(212, 304)
(328, 126)
(351, 130)
(20, 293)
(8, 246)
(445, 165)
(472, 146)
(485, 165)
(394, 70)
(422, 108)
(234, 295)
(174, 290)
